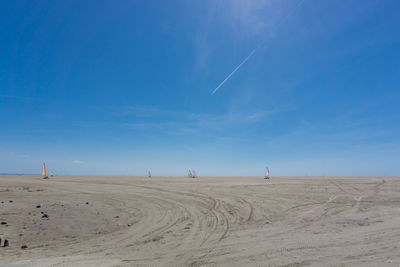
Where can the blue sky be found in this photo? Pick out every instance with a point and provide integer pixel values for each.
(117, 88)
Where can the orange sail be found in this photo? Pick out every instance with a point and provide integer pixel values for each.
(44, 170)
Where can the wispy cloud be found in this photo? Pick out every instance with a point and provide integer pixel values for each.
(155, 119)
(260, 115)
(77, 161)
(141, 111)
(14, 97)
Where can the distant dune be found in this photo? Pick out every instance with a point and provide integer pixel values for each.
(210, 221)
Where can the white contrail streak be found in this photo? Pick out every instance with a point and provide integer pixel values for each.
(254, 50)
(233, 72)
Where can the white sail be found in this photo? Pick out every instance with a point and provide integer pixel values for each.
(266, 172)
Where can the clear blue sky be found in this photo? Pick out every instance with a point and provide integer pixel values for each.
(119, 87)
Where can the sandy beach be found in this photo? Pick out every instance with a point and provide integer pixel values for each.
(209, 221)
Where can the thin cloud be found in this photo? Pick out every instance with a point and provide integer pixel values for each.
(185, 122)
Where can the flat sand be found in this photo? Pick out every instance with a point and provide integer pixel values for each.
(209, 221)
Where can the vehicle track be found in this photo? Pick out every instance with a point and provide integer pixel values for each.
(220, 221)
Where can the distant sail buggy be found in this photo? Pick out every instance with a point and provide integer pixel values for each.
(149, 174)
(44, 172)
(192, 174)
(266, 173)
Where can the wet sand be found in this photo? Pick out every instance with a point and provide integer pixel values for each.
(209, 221)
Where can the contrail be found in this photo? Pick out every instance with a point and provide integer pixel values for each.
(255, 49)
(233, 72)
